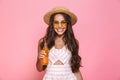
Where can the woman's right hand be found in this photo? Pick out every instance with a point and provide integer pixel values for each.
(41, 54)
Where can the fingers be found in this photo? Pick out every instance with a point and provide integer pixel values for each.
(41, 54)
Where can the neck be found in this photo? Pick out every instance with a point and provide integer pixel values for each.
(59, 36)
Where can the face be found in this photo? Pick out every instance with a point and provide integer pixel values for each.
(59, 24)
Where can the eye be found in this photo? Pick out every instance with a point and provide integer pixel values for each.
(64, 23)
(55, 23)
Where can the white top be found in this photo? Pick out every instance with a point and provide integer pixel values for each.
(62, 54)
(59, 72)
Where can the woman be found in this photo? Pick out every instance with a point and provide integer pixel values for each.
(64, 61)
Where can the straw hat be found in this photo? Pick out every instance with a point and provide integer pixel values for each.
(57, 10)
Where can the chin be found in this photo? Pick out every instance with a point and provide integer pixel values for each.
(60, 34)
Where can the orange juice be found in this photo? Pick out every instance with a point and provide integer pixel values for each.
(45, 59)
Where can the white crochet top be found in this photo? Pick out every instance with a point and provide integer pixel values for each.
(62, 54)
(59, 72)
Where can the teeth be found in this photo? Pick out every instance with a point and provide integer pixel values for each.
(60, 30)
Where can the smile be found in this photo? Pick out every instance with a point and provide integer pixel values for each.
(60, 29)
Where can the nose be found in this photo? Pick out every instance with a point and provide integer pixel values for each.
(59, 25)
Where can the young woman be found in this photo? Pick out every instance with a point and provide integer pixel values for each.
(64, 60)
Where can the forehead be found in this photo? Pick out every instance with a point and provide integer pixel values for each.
(59, 17)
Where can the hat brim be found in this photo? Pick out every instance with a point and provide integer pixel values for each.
(61, 10)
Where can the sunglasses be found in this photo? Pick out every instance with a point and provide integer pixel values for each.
(56, 23)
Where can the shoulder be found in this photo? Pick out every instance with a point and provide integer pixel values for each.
(77, 41)
(40, 40)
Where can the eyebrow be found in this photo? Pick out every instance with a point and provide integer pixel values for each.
(61, 21)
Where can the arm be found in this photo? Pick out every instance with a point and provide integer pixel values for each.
(39, 60)
(78, 75)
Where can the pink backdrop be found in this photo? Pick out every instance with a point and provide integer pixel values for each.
(97, 29)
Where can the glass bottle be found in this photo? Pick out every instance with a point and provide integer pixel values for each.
(45, 59)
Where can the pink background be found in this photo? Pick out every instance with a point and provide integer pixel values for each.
(97, 29)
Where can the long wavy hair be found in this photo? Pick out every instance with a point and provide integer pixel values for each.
(68, 38)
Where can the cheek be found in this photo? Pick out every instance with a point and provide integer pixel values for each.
(65, 28)
(55, 29)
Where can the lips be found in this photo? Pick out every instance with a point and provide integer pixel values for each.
(59, 30)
